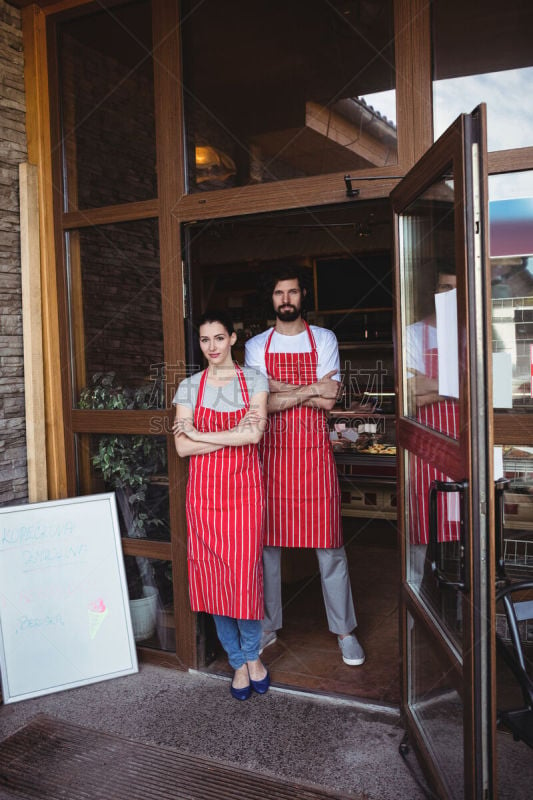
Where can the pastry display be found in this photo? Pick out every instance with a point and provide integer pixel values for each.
(380, 449)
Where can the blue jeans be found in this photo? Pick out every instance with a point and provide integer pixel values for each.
(240, 638)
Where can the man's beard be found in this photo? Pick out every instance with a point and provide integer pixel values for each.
(289, 314)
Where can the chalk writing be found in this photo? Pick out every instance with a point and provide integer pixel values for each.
(28, 534)
(26, 623)
(51, 556)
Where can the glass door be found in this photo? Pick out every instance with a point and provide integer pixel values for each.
(445, 464)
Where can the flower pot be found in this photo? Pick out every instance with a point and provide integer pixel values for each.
(144, 614)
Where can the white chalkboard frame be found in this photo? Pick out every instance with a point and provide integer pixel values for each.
(64, 530)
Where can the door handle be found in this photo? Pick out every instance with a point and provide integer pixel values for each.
(433, 544)
(499, 488)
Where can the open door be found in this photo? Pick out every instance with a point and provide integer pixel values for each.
(446, 515)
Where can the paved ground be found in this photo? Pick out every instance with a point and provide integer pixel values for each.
(336, 744)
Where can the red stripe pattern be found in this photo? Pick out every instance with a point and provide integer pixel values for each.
(302, 487)
(225, 511)
(443, 417)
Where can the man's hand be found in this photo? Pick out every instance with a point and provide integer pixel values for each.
(424, 389)
(427, 399)
(327, 388)
(278, 386)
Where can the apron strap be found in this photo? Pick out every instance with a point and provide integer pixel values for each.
(311, 337)
(267, 345)
(244, 388)
(201, 389)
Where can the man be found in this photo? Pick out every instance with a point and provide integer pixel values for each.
(302, 488)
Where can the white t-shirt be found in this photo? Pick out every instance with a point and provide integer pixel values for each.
(326, 345)
(419, 338)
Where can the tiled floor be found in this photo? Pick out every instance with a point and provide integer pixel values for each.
(306, 655)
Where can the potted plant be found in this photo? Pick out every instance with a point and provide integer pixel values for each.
(127, 464)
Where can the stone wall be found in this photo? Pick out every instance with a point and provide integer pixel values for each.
(13, 472)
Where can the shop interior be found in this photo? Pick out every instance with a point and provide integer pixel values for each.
(345, 254)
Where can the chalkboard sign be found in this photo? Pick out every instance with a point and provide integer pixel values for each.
(64, 611)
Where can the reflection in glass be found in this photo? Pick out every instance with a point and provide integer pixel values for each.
(511, 250)
(151, 602)
(496, 67)
(314, 62)
(437, 708)
(107, 105)
(446, 603)
(517, 545)
(134, 466)
(115, 305)
(427, 235)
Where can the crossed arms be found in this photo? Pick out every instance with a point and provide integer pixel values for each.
(191, 442)
(322, 394)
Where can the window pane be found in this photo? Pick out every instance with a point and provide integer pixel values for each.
(437, 707)
(302, 88)
(115, 309)
(517, 545)
(151, 605)
(134, 466)
(515, 767)
(429, 318)
(511, 251)
(107, 107)
(445, 603)
(482, 54)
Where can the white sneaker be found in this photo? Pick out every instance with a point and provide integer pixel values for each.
(267, 638)
(352, 652)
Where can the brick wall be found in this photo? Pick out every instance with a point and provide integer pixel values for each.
(13, 473)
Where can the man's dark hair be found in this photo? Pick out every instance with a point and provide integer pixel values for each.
(285, 272)
(215, 315)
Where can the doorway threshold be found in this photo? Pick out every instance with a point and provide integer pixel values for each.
(387, 709)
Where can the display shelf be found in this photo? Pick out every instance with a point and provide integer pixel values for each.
(373, 344)
(347, 511)
(336, 412)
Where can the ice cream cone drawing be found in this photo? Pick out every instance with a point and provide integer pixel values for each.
(97, 613)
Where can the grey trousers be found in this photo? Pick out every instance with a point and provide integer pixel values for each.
(336, 589)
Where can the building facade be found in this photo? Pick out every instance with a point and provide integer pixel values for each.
(178, 151)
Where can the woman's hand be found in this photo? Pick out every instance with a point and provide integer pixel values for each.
(184, 426)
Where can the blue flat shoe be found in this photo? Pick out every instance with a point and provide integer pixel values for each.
(261, 686)
(241, 694)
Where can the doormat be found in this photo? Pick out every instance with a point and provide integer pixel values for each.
(50, 759)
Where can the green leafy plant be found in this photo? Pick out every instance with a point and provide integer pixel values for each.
(127, 463)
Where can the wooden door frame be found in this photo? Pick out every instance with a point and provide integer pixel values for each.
(174, 207)
(454, 457)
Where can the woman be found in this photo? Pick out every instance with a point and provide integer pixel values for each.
(220, 417)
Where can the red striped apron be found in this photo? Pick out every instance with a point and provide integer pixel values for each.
(224, 505)
(442, 416)
(303, 496)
